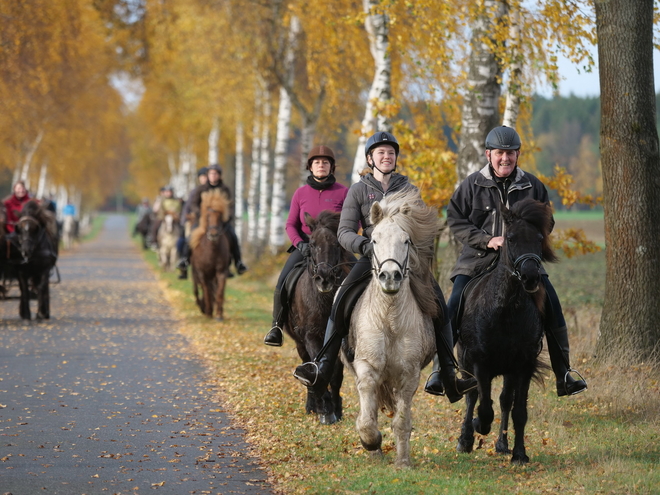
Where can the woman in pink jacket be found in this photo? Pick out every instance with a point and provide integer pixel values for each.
(321, 192)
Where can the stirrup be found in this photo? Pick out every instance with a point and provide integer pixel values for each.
(275, 344)
(431, 391)
(567, 374)
(470, 376)
(303, 380)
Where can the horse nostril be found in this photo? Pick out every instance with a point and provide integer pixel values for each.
(382, 277)
(398, 277)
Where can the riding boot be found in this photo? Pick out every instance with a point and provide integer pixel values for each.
(183, 272)
(454, 387)
(321, 368)
(557, 339)
(434, 384)
(274, 335)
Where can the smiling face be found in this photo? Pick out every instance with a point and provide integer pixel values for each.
(503, 161)
(383, 158)
(19, 190)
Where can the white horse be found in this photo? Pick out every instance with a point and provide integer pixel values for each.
(68, 231)
(391, 332)
(168, 235)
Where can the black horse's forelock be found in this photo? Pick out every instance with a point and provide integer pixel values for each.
(539, 215)
(328, 219)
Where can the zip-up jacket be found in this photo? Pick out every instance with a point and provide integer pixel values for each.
(309, 200)
(357, 206)
(474, 216)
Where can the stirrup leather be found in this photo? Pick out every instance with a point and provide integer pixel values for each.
(305, 381)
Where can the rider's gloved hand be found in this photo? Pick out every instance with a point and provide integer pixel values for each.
(303, 247)
(367, 249)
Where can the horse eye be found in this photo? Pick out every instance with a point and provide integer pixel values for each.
(540, 236)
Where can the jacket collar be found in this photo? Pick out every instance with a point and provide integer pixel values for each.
(485, 178)
(397, 181)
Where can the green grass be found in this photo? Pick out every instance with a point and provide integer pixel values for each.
(604, 441)
(96, 227)
(580, 215)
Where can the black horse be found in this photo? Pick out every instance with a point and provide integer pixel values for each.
(143, 227)
(310, 305)
(503, 324)
(37, 243)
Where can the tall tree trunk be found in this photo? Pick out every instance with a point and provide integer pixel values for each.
(306, 139)
(481, 106)
(264, 175)
(41, 185)
(239, 184)
(631, 167)
(276, 237)
(30, 150)
(253, 190)
(514, 87)
(377, 25)
(214, 139)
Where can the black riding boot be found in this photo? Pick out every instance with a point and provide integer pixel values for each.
(445, 377)
(321, 368)
(274, 335)
(557, 339)
(184, 260)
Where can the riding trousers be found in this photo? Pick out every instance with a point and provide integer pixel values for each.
(462, 280)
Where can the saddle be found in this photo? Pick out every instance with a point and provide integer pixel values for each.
(469, 287)
(290, 282)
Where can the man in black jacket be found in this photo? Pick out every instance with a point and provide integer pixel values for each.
(474, 219)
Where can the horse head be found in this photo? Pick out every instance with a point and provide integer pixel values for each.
(326, 255)
(526, 241)
(29, 233)
(391, 250)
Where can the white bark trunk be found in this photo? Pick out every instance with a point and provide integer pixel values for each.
(180, 175)
(240, 182)
(377, 26)
(264, 175)
(277, 220)
(514, 87)
(481, 104)
(307, 134)
(214, 139)
(30, 150)
(62, 200)
(41, 185)
(253, 191)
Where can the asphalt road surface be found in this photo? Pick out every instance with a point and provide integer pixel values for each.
(103, 398)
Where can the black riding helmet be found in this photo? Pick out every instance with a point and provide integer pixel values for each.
(202, 171)
(503, 138)
(215, 167)
(379, 139)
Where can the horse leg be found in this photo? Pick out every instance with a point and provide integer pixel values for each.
(367, 420)
(519, 416)
(335, 388)
(43, 291)
(466, 440)
(195, 282)
(207, 289)
(221, 281)
(485, 413)
(402, 421)
(506, 402)
(24, 305)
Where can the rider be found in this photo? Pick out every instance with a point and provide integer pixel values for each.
(321, 192)
(379, 180)
(473, 218)
(186, 227)
(168, 204)
(214, 174)
(14, 204)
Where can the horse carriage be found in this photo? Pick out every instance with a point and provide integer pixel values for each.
(28, 257)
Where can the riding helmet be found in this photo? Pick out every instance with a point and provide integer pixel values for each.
(215, 167)
(379, 139)
(202, 171)
(321, 152)
(503, 138)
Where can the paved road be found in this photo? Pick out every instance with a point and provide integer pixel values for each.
(102, 398)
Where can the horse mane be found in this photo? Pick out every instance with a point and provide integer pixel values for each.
(213, 199)
(328, 219)
(539, 215)
(407, 209)
(46, 219)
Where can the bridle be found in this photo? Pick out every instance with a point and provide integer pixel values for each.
(520, 262)
(219, 229)
(377, 265)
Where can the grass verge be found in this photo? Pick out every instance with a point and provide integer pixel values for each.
(605, 441)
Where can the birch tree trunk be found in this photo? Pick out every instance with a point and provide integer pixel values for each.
(377, 26)
(253, 190)
(631, 165)
(307, 134)
(239, 185)
(214, 139)
(41, 185)
(514, 87)
(264, 176)
(22, 171)
(277, 238)
(481, 106)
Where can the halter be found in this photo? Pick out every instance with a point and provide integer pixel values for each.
(402, 266)
(313, 267)
(41, 236)
(520, 262)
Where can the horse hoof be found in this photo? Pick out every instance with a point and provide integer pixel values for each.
(465, 447)
(402, 464)
(502, 448)
(479, 428)
(328, 419)
(376, 454)
(519, 460)
(220, 318)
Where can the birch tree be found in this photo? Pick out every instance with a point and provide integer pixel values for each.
(377, 25)
(239, 176)
(255, 168)
(264, 175)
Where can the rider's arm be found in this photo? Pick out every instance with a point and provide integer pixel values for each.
(293, 224)
(349, 222)
(459, 213)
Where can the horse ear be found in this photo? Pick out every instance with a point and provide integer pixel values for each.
(376, 213)
(507, 216)
(406, 209)
(310, 221)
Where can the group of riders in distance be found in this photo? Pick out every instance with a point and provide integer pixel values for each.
(29, 245)
(502, 216)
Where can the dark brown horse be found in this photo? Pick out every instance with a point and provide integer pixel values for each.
(36, 237)
(502, 327)
(210, 257)
(309, 309)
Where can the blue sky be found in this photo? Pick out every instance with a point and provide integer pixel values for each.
(579, 83)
